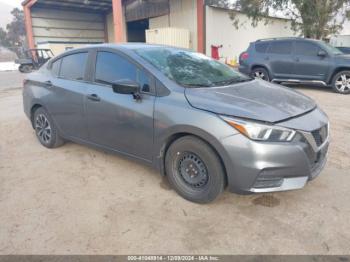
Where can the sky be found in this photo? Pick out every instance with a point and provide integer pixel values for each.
(15, 3)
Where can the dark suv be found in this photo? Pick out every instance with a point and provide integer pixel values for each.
(297, 60)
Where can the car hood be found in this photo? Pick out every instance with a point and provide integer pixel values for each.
(256, 100)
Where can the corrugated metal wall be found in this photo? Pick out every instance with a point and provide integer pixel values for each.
(169, 36)
(67, 26)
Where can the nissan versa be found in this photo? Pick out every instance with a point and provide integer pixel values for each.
(200, 123)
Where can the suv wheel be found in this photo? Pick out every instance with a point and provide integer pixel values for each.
(194, 170)
(261, 73)
(45, 129)
(341, 82)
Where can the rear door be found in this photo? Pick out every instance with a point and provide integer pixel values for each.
(308, 65)
(67, 94)
(279, 57)
(118, 121)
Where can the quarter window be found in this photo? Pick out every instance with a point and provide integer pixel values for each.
(55, 68)
(73, 66)
(306, 49)
(144, 82)
(261, 47)
(281, 47)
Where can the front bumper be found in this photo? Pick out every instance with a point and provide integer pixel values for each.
(260, 167)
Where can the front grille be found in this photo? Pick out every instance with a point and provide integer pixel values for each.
(320, 135)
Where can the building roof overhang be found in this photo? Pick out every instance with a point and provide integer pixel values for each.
(96, 6)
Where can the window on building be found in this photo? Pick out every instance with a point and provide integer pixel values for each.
(261, 47)
(306, 49)
(111, 67)
(281, 47)
(55, 68)
(73, 66)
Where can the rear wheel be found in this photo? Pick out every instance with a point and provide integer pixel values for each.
(261, 73)
(341, 82)
(194, 170)
(46, 130)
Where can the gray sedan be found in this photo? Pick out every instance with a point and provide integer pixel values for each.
(200, 123)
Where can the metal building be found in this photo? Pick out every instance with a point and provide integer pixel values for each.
(195, 24)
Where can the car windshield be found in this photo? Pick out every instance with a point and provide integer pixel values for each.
(331, 49)
(191, 69)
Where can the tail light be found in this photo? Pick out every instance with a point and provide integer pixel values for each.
(244, 56)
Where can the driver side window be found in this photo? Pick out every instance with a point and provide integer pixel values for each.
(111, 67)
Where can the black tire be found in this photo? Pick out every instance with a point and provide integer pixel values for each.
(26, 68)
(261, 73)
(46, 130)
(202, 182)
(341, 82)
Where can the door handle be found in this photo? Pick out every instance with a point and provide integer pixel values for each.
(94, 97)
(267, 58)
(297, 59)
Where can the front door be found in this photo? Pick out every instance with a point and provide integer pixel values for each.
(308, 64)
(118, 121)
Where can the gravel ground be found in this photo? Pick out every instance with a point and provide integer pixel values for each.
(10, 80)
(76, 200)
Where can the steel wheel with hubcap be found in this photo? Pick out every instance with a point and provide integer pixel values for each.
(194, 170)
(341, 82)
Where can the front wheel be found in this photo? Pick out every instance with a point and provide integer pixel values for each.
(341, 82)
(194, 170)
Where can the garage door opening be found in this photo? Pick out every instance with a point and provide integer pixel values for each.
(137, 30)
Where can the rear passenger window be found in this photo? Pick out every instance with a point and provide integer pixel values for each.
(55, 67)
(281, 47)
(306, 49)
(261, 47)
(111, 67)
(73, 66)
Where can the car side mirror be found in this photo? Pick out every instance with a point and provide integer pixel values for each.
(322, 53)
(127, 87)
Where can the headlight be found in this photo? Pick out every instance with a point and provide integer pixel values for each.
(261, 132)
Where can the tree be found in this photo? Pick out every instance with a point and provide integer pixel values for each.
(14, 37)
(311, 18)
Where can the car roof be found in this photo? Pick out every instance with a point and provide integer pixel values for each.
(123, 46)
(287, 38)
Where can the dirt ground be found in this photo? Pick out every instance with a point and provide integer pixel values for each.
(76, 200)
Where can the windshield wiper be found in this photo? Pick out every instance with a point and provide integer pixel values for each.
(233, 81)
(197, 85)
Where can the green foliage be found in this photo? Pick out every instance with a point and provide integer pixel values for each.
(311, 18)
(14, 36)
